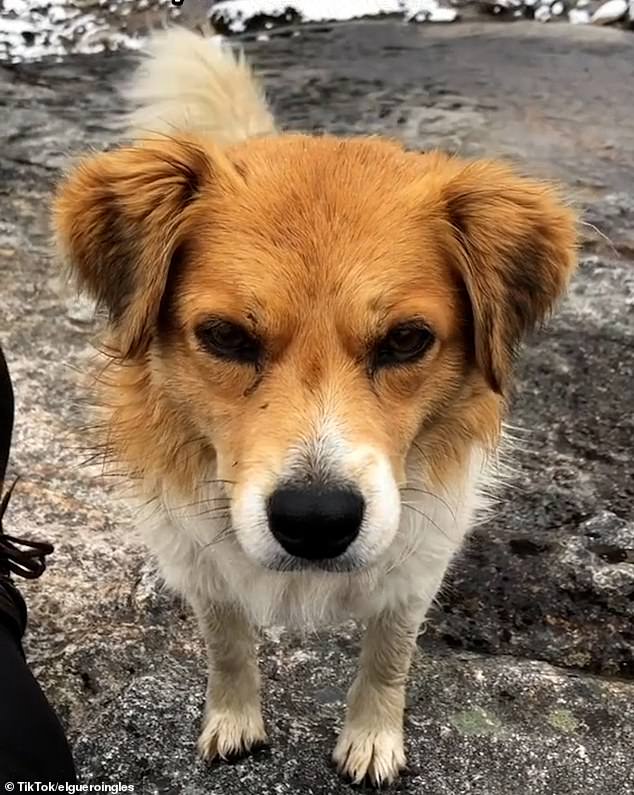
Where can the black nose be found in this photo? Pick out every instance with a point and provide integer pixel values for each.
(315, 522)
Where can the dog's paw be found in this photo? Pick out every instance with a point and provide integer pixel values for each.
(372, 755)
(230, 735)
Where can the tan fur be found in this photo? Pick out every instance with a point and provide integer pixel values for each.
(317, 245)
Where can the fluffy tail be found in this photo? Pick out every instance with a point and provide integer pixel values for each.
(197, 85)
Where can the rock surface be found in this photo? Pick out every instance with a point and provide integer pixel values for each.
(524, 681)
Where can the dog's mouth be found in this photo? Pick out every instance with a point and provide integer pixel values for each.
(345, 564)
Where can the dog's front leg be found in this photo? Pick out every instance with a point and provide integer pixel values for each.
(371, 743)
(233, 723)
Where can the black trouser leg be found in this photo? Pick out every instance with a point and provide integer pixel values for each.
(33, 746)
(6, 416)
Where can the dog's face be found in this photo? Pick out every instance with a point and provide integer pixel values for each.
(319, 312)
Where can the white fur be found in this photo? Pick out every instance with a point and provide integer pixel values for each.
(199, 561)
(373, 751)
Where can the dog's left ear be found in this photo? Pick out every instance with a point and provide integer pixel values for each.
(514, 243)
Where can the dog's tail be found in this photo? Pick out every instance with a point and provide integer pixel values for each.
(197, 85)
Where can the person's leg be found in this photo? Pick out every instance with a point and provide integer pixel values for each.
(32, 742)
(33, 746)
(6, 417)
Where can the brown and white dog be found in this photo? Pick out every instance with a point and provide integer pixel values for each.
(314, 339)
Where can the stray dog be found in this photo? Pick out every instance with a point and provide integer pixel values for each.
(313, 340)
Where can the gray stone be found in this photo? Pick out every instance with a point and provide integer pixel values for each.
(485, 725)
(524, 679)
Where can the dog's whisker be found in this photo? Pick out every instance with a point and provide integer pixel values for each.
(426, 493)
(226, 534)
(426, 517)
(221, 513)
(204, 501)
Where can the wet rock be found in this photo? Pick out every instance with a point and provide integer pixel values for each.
(601, 559)
(612, 219)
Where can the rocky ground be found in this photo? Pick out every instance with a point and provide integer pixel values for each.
(524, 681)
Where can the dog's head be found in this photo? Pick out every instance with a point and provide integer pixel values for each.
(317, 310)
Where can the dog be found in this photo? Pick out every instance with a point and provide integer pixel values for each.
(312, 342)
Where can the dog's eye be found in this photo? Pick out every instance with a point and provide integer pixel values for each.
(228, 341)
(405, 343)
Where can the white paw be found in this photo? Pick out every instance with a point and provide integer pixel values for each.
(228, 735)
(370, 754)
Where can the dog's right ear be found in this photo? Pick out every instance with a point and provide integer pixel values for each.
(119, 218)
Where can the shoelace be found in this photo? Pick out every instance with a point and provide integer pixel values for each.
(25, 558)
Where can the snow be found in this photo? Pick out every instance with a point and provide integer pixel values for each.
(30, 31)
(431, 12)
(439, 15)
(579, 16)
(236, 13)
(609, 12)
(543, 13)
(577, 13)
(15, 6)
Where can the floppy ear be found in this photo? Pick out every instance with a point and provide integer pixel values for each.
(118, 222)
(515, 246)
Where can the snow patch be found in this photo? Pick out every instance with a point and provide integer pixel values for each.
(579, 16)
(236, 13)
(609, 12)
(30, 31)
